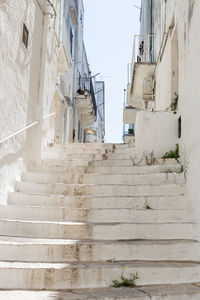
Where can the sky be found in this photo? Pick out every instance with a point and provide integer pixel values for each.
(110, 26)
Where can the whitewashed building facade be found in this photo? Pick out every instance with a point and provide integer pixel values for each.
(170, 61)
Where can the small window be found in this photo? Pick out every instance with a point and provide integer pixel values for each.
(25, 36)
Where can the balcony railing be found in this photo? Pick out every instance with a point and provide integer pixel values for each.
(143, 49)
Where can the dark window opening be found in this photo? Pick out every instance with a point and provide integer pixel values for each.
(179, 127)
(71, 41)
(25, 36)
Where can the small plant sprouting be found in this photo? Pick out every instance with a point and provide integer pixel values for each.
(172, 154)
(150, 161)
(174, 103)
(125, 282)
(148, 207)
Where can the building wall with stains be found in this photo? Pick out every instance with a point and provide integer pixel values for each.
(177, 53)
(28, 84)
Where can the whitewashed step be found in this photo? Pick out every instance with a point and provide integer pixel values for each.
(70, 178)
(89, 157)
(62, 214)
(38, 276)
(108, 170)
(104, 155)
(100, 190)
(127, 162)
(54, 250)
(156, 202)
(87, 162)
(154, 292)
(100, 231)
(87, 146)
(78, 151)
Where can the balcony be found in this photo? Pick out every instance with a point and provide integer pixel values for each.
(64, 58)
(141, 85)
(86, 105)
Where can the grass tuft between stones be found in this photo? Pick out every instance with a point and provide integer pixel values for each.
(125, 282)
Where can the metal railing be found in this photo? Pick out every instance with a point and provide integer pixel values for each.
(143, 49)
(25, 128)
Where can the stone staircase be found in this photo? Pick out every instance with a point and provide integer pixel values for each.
(85, 216)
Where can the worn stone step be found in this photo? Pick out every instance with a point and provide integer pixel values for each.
(70, 178)
(89, 146)
(63, 214)
(130, 170)
(88, 162)
(107, 154)
(100, 190)
(41, 276)
(151, 292)
(123, 162)
(101, 231)
(140, 202)
(54, 250)
(49, 152)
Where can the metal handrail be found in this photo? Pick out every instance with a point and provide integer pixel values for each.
(25, 128)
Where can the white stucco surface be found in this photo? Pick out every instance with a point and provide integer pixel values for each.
(186, 25)
(155, 131)
(27, 85)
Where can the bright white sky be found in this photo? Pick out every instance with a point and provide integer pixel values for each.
(109, 29)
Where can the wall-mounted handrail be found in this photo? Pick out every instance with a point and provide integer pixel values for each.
(25, 128)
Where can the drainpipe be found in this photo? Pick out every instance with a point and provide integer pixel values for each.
(151, 31)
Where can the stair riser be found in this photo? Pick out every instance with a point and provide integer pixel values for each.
(77, 152)
(177, 202)
(108, 170)
(136, 294)
(87, 156)
(101, 232)
(87, 146)
(127, 162)
(91, 277)
(153, 179)
(84, 253)
(88, 162)
(99, 190)
(86, 215)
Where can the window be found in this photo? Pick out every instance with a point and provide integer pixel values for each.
(25, 36)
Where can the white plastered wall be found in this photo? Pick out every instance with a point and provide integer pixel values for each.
(155, 132)
(187, 22)
(28, 78)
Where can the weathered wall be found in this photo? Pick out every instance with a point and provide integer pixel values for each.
(187, 23)
(15, 68)
(151, 136)
(28, 78)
